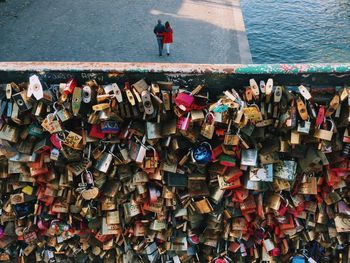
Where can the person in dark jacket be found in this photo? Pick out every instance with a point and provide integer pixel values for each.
(167, 37)
(158, 31)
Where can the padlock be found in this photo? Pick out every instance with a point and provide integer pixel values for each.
(304, 126)
(249, 157)
(137, 150)
(64, 115)
(153, 130)
(76, 100)
(324, 134)
(252, 113)
(184, 100)
(151, 158)
(24, 103)
(183, 122)
(9, 133)
(204, 206)
(105, 161)
(147, 102)
(230, 139)
(202, 153)
(208, 129)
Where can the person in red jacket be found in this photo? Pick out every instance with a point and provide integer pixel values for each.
(167, 37)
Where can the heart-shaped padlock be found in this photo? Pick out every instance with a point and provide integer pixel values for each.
(202, 153)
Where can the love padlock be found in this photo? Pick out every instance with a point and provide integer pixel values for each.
(324, 134)
(184, 101)
(202, 153)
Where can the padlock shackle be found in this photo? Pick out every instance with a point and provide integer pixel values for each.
(209, 114)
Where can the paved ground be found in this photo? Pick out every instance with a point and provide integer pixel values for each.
(205, 31)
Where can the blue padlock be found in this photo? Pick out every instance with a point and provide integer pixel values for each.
(202, 153)
(298, 259)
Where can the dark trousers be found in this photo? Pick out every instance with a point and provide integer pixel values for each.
(160, 45)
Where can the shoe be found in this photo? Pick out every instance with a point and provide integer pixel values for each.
(168, 54)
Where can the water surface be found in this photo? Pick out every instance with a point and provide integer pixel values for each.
(298, 31)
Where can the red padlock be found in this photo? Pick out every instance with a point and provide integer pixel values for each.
(56, 141)
(70, 87)
(96, 132)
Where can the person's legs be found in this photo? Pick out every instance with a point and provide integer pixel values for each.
(167, 48)
(160, 45)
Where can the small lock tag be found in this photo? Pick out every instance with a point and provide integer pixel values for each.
(295, 137)
(54, 154)
(166, 100)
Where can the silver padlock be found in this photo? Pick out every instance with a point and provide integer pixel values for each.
(104, 162)
(138, 150)
(304, 127)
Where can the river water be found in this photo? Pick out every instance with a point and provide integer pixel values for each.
(298, 31)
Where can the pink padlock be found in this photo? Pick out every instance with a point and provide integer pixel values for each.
(183, 122)
(184, 101)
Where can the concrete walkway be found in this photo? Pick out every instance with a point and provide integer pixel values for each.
(205, 31)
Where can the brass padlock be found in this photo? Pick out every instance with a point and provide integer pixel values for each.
(9, 133)
(253, 113)
(204, 206)
(208, 129)
(230, 139)
(151, 158)
(324, 134)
